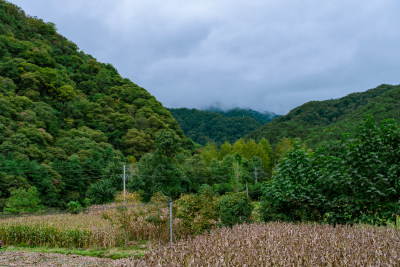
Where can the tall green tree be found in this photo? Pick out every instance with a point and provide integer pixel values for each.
(357, 182)
(160, 171)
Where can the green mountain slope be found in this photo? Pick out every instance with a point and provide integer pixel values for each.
(66, 120)
(239, 112)
(217, 126)
(324, 121)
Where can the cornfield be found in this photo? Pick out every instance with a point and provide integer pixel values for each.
(104, 226)
(272, 244)
(282, 244)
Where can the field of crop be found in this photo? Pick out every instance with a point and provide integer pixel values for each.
(283, 244)
(272, 244)
(105, 226)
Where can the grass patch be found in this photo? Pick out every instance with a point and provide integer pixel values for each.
(113, 253)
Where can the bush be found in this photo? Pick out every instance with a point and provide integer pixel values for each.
(198, 212)
(23, 201)
(223, 188)
(74, 207)
(101, 192)
(130, 198)
(234, 208)
(255, 191)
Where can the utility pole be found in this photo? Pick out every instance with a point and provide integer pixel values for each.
(170, 219)
(255, 173)
(124, 184)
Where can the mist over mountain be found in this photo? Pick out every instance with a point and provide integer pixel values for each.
(216, 125)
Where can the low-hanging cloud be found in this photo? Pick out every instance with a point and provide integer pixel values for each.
(266, 55)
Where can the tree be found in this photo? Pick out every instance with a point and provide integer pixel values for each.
(263, 155)
(22, 200)
(196, 172)
(234, 208)
(289, 196)
(283, 146)
(160, 171)
(101, 192)
(267, 148)
(65, 93)
(239, 147)
(249, 149)
(7, 86)
(137, 143)
(371, 178)
(354, 183)
(198, 211)
(209, 152)
(226, 149)
(167, 143)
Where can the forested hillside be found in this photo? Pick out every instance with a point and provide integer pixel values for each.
(261, 117)
(215, 125)
(317, 122)
(67, 121)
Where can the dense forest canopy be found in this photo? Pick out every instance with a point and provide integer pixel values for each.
(214, 125)
(325, 121)
(261, 117)
(66, 120)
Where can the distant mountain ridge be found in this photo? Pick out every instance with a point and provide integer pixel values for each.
(261, 117)
(325, 121)
(216, 125)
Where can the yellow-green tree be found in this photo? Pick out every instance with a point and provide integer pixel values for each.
(239, 147)
(226, 149)
(268, 149)
(249, 150)
(283, 146)
(263, 155)
(209, 152)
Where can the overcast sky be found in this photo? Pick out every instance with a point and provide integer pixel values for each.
(261, 54)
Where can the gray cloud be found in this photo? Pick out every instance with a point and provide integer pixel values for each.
(267, 55)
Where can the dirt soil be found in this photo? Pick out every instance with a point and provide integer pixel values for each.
(22, 258)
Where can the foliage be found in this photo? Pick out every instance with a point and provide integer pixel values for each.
(234, 208)
(66, 119)
(103, 226)
(262, 117)
(217, 126)
(22, 200)
(101, 192)
(74, 207)
(174, 171)
(317, 122)
(291, 193)
(159, 171)
(198, 212)
(356, 182)
(128, 198)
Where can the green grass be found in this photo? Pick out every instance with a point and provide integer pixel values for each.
(112, 253)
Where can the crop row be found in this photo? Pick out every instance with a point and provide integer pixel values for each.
(97, 228)
(283, 244)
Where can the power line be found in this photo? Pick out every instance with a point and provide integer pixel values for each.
(189, 177)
